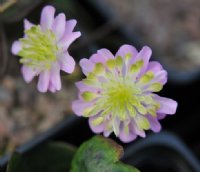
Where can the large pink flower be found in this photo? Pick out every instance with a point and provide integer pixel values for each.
(44, 49)
(118, 93)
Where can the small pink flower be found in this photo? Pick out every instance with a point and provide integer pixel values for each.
(118, 93)
(44, 49)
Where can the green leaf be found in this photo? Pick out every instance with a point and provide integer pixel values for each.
(49, 157)
(100, 154)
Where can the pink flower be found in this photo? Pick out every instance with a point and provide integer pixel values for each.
(44, 49)
(118, 96)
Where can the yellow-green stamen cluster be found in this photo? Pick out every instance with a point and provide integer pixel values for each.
(38, 48)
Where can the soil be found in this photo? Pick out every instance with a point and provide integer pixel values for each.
(25, 112)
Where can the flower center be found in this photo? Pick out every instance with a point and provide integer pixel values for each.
(119, 96)
(38, 48)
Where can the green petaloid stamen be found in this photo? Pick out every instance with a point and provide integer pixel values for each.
(99, 68)
(136, 66)
(119, 61)
(38, 48)
(88, 96)
(156, 87)
(97, 121)
(111, 63)
(128, 56)
(147, 77)
(143, 123)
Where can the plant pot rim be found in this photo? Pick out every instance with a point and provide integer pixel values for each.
(165, 140)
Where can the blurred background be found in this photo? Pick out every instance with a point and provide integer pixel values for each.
(170, 28)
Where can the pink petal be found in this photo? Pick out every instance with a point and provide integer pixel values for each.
(101, 56)
(67, 39)
(27, 24)
(126, 49)
(161, 77)
(16, 47)
(161, 116)
(144, 55)
(168, 106)
(67, 63)
(82, 87)
(98, 128)
(154, 123)
(138, 131)
(107, 131)
(96, 58)
(69, 26)
(52, 88)
(78, 107)
(157, 69)
(47, 17)
(86, 65)
(126, 138)
(28, 73)
(55, 76)
(106, 54)
(124, 69)
(59, 26)
(154, 66)
(43, 81)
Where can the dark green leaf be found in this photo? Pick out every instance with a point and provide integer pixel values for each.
(100, 155)
(50, 157)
